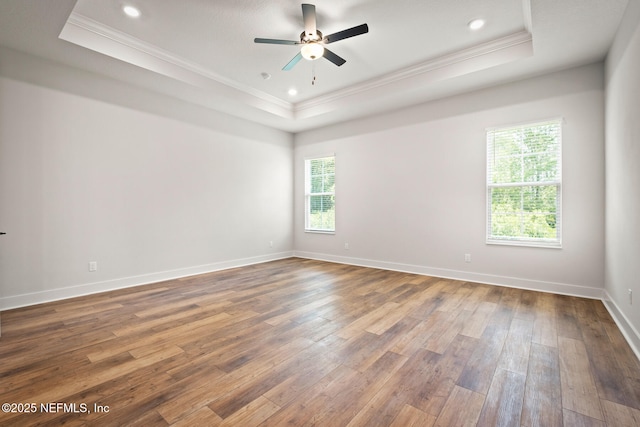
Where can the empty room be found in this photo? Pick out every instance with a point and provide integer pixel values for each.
(346, 213)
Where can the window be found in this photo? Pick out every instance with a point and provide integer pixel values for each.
(524, 184)
(320, 199)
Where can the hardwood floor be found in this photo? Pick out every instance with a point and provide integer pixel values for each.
(300, 342)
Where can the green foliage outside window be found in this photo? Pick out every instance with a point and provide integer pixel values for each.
(321, 194)
(524, 183)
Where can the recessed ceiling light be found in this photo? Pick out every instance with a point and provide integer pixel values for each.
(292, 92)
(476, 24)
(131, 11)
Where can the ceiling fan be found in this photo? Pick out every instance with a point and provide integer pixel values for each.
(313, 42)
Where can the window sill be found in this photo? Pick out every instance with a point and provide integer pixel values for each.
(320, 231)
(528, 244)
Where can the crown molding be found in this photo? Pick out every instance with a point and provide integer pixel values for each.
(94, 35)
(475, 58)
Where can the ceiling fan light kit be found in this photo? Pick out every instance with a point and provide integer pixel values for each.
(312, 41)
(312, 51)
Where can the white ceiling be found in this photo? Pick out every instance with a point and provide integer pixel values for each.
(202, 51)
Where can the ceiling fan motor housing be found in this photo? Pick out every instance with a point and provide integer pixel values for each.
(304, 38)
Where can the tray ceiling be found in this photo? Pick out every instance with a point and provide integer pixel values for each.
(415, 50)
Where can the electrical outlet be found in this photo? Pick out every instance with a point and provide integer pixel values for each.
(270, 243)
(93, 266)
(630, 297)
(467, 257)
(346, 246)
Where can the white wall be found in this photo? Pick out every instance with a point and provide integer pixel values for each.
(623, 176)
(151, 188)
(146, 196)
(410, 186)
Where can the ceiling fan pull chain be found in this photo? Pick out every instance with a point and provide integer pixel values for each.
(313, 74)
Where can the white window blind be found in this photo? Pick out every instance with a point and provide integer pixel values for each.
(524, 183)
(320, 200)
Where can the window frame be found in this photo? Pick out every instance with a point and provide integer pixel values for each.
(308, 194)
(522, 240)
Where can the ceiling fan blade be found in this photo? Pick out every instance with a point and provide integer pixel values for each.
(338, 60)
(293, 62)
(274, 41)
(309, 17)
(345, 34)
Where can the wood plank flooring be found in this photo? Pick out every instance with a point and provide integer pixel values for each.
(300, 342)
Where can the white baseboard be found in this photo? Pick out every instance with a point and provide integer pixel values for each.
(23, 300)
(628, 331)
(489, 279)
